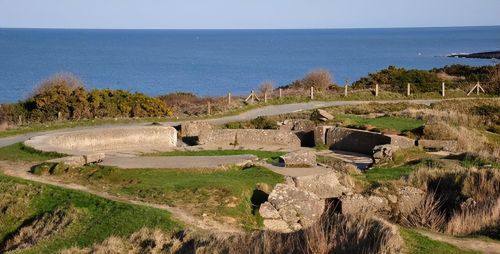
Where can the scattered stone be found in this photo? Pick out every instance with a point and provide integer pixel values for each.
(383, 153)
(268, 211)
(438, 145)
(321, 115)
(300, 158)
(324, 186)
(409, 198)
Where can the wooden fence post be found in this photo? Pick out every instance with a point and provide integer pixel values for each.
(345, 89)
(280, 93)
(376, 90)
(228, 98)
(209, 108)
(443, 90)
(312, 93)
(408, 90)
(265, 97)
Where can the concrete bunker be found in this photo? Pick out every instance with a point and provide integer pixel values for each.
(104, 140)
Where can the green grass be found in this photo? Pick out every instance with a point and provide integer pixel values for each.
(19, 152)
(384, 122)
(98, 218)
(381, 174)
(420, 244)
(258, 153)
(214, 192)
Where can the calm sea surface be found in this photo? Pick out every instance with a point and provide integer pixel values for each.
(214, 62)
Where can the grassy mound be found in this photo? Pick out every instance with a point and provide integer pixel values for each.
(23, 202)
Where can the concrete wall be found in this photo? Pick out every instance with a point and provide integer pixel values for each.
(352, 140)
(249, 137)
(114, 139)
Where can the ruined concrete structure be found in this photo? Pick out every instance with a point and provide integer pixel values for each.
(248, 137)
(358, 141)
(301, 158)
(194, 128)
(114, 139)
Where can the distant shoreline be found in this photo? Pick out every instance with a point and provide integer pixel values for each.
(480, 55)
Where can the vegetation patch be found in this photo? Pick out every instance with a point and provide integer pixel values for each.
(382, 123)
(260, 154)
(215, 193)
(420, 244)
(20, 152)
(23, 201)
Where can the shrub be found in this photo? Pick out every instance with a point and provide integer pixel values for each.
(319, 79)
(63, 97)
(263, 122)
(266, 87)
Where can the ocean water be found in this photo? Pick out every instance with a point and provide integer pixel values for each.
(214, 62)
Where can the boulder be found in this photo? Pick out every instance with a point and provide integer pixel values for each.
(299, 159)
(321, 115)
(383, 153)
(324, 186)
(438, 145)
(409, 198)
(297, 208)
(359, 204)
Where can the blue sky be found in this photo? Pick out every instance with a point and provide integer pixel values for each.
(244, 14)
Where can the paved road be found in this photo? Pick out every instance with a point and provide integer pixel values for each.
(249, 115)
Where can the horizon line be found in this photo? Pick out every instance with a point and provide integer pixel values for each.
(311, 28)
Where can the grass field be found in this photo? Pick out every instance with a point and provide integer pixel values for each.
(19, 152)
(384, 122)
(420, 244)
(98, 218)
(217, 193)
(258, 153)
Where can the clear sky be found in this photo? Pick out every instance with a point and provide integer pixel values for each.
(201, 14)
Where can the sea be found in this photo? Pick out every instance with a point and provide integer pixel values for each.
(215, 62)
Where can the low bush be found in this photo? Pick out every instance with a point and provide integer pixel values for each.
(63, 97)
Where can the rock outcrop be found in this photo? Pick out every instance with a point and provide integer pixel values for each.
(359, 204)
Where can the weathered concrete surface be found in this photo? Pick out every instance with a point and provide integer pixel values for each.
(320, 134)
(82, 142)
(194, 128)
(301, 158)
(249, 137)
(79, 160)
(352, 140)
(179, 162)
(323, 185)
(359, 204)
(401, 142)
(296, 208)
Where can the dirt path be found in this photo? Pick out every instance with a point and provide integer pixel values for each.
(489, 247)
(21, 170)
